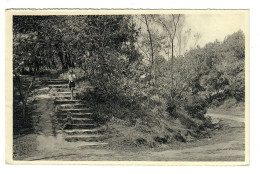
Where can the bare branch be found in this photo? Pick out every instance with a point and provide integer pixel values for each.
(165, 26)
(143, 50)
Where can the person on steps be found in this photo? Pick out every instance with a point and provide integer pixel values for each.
(72, 78)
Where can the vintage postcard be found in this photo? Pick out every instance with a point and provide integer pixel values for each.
(127, 87)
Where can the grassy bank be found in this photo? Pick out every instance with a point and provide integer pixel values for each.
(134, 125)
(229, 107)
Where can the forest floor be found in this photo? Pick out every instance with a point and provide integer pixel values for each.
(226, 144)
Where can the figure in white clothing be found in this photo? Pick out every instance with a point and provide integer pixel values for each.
(72, 78)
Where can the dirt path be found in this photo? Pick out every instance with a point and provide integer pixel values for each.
(48, 144)
(219, 148)
(213, 149)
(239, 118)
(226, 145)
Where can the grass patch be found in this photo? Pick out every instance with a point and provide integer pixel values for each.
(229, 107)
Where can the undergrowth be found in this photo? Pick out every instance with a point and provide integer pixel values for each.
(132, 124)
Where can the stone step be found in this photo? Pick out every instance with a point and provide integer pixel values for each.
(82, 121)
(59, 86)
(57, 82)
(66, 92)
(88, 138)
(75, 110)
(93, 144)
(67, 106)
(62, 96)
(75, 115)
(66, 101)
(82, 131)
(79, 121)
(68, 97)
(64, 89)
(80, 126)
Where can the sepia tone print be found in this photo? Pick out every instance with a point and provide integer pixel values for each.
(156, 86)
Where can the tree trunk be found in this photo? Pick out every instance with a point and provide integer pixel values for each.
(152, 51)
(172, 57)
(24, 97)
(25, 118)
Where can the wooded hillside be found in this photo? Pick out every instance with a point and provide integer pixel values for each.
(146, 77)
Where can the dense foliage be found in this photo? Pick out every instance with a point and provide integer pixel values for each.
(208, 76)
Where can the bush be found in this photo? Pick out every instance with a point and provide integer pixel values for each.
(196, 106)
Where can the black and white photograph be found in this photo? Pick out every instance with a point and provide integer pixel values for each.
(128, 86)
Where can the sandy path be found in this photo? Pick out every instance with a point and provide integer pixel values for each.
(239, 118)
(225, 145)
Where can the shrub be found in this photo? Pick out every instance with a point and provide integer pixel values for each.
(195, 106)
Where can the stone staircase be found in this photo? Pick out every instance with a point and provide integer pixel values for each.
(81, 125)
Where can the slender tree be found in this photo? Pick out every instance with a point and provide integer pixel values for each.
(170, 25)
